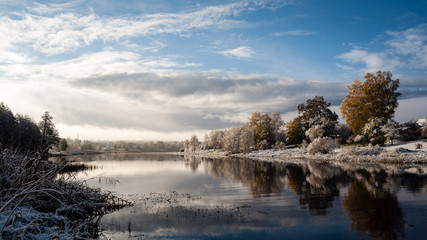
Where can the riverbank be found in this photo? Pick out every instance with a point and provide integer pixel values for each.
(405, 152)
(37, 203)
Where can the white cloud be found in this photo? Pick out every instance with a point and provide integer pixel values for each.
(412, 43)
(406, 49)
(240, 52)
(371, 60)
(91, 64)
(298, 33)
(67, 31)
(347, 68)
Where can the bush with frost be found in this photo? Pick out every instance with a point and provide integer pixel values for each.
(342, 132)
(410, 131)
(359, 139)
(372, 131)
(391, 131)
(423, 128)
(315, 132)
(322, 145)
(370, 150)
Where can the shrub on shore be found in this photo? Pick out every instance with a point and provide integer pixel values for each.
(36, 202)
(322, 145)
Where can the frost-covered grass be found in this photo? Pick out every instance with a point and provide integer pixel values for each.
(406, 152)
(37, 203)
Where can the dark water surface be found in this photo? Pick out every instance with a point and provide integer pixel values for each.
(196, 198)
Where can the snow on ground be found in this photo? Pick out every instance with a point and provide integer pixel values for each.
(406, 152)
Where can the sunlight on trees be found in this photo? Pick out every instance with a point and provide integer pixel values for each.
(294, 132)
(261, 125)
(374, 98)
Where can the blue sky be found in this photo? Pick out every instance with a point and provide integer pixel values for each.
(169, 69)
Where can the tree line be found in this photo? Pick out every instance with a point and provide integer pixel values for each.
(78, 145)
(21, 132)
(368, 110)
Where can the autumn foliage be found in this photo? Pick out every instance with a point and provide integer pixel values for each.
(374, 98)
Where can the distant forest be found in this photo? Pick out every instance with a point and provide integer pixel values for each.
(76, 145)
(21, 133)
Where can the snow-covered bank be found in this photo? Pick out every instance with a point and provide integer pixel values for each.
(37, 203)
(407, 152)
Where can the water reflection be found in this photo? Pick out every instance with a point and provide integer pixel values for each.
(374, 211)
(277, 199)
(371, 206)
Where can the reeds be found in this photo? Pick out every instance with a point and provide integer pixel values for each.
(36, 201)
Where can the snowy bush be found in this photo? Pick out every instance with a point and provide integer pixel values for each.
(410, 131)
(359, 139)
(322, 145)
(342, 132)
(372, 131)
(391, 131)
(361, 151)
(424, 128)
(314, 132)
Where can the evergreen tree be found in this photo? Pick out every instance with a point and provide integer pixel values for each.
(49, 133)
(7, 124)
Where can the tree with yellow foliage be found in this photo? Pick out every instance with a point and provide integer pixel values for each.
(374, 98)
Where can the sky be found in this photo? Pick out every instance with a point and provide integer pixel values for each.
(165, 70)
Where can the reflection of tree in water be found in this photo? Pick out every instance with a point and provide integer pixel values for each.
(414, 183)
(266, 180)
(316, 184)
(375, 212)
(126, 157)
(262, 178)
(192, 162)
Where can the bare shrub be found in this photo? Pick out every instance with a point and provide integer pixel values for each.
(322, 145)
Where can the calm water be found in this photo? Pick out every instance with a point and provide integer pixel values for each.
(179, 198)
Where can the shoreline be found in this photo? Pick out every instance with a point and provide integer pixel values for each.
(402, 153)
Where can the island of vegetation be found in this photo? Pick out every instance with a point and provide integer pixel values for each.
(369, 135)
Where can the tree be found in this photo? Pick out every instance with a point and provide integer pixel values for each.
(262, 126)
(193, 143)
(87, 146)
(315, 109)
(239, 139)
(48, 131)
(316, 112)
(26, 134)
(7, 123)
(374, 98)
(294, 132)
(63, 145)
(216, 139)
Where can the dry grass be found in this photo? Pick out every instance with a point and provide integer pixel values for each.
(36, 202)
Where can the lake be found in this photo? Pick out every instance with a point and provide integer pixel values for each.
(180, 197)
